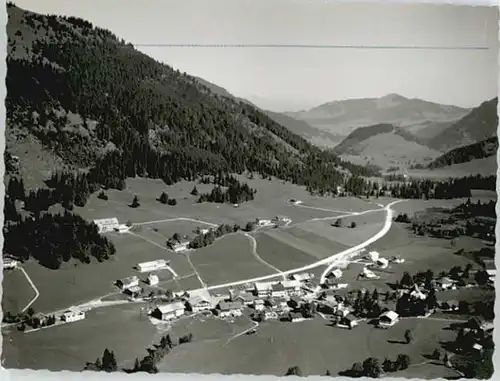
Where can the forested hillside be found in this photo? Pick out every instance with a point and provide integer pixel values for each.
(480, 124)
(102, 105)
(467, 153)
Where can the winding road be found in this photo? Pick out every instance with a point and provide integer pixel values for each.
(330, 261)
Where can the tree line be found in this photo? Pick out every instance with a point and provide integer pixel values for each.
(147, 364)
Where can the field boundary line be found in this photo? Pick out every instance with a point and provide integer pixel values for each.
(253, 243)
(173, 220)
(195, 270)
(172, 271)
(37, 293)
(324, 261)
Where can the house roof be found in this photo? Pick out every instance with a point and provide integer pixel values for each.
(106, 221)
(278, 287)
(226, 306)
(198, 299)
(263, 286)
(170, 307)
(288, 284)
(135, 289)
(152, 263)
(391, 315)
(129, 279)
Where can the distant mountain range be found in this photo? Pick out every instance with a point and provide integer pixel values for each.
(342, 117)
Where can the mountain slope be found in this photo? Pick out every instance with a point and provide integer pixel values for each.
(480, 124)
(97, 103)
(299, 127)
(383, 145)
(481, 150)
(342, 117)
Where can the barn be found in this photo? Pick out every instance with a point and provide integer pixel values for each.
(105, 225)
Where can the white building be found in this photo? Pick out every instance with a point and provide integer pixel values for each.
(152, 280)
(181, 246)
(270, 315)
(230, 309)
(367, 273)
(105, 225)
(169, 311)
(337, 273)
(388, 319)
(128, 282)
(73, 314)
(159, 264)
(292, 287)
(263, 222)
(263, 289)
(295, 202)
(258, 304)
(382, 263)
(302, 276)
(445, 283)
(204, 231)
(122, 228)
(200, 303)
(9, 263)
(373, 256)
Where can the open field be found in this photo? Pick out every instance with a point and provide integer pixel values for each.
(420, 254)
(271, 200)
(228, 259)
(312, 345)
(76, 283)
(17, 292)
(67, 347)
(366, 226)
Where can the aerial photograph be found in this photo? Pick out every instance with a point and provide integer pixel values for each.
(250, 187)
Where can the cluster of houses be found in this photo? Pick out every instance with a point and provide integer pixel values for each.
(272, 299)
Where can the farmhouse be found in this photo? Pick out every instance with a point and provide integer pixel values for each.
(128, 282)
(489, 266)
(328, 307)
(282, 219)
(133, 291)
(9, 263)
(152, 280)
(200, 303)
(382, 263)
(348, 321)
(122, 228)
(263, 289)
(73, 314)
(169, 311)
(295, 302)
(292, 287)
(445, 283)
(366, 273)
(373, 256)
(268, 315)
(295, 202)
(302, 277)
(159, 264)
(246, 298)
(258, 304)
(278, 290)
(336, 274)
(263, 222)
(227, 309)
(105, 225)
(388, 319)
(180, 246)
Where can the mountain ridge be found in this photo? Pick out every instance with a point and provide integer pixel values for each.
(98, 103)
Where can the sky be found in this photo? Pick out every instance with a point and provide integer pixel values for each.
(291, 79)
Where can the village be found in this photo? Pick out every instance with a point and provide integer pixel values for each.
(302, 296)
